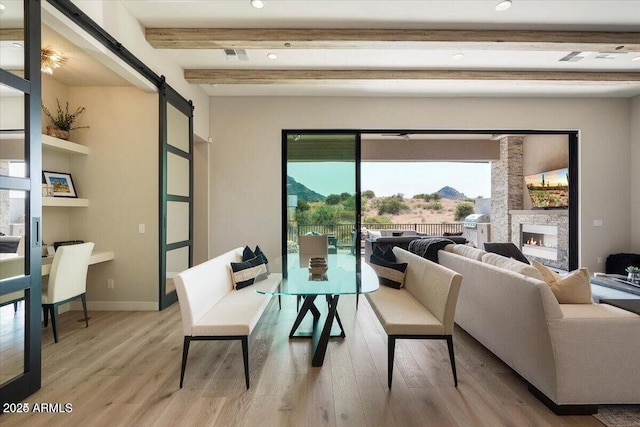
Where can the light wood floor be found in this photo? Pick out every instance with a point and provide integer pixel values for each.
(124, 370)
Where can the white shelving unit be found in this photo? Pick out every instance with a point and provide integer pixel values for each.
(65, 202)
(68, 147)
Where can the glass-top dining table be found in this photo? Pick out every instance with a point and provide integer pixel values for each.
(337, 281)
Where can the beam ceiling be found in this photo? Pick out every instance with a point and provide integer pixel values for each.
(278, 38)
(320, 76)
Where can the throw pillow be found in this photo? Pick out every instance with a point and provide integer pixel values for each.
(507, 249)
(258, 252)
(574, 288)
(511, 265)
(247, 254)
(248, 272)
(386, 255)
(375, 233)
(389, 273)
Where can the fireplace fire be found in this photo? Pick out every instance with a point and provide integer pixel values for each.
(540, 241)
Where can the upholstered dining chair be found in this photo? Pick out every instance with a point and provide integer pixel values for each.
(67, 281)
(312, 246)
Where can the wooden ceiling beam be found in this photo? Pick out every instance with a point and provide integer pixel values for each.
(281, 38)
(12, 34)
(220, 76)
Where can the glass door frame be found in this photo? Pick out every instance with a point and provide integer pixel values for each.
(574, 160)
(29, 381)
(170, 96)
(358, 216)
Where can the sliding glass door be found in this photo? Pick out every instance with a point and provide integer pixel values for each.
(20, 201)
(321, 197)
(176, 191)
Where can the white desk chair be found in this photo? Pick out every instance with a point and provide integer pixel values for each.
(67, 281)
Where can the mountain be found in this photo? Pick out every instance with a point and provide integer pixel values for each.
(451, 193)
(303, 193)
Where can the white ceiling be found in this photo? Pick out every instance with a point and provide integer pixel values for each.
(565, 15)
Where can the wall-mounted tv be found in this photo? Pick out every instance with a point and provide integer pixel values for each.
(550, 189)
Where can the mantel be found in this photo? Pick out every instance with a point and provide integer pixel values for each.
(556, 212)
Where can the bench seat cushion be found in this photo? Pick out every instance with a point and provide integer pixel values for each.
(238, 312)
(401, 314)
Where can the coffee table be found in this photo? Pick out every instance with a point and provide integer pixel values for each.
(335, 282)
(632, 305)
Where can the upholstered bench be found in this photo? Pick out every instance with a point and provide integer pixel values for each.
(423, 308)
(212, 309)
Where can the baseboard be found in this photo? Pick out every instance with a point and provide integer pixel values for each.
(563, 409)
(116, 305)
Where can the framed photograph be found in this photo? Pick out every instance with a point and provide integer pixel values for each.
(61, 182)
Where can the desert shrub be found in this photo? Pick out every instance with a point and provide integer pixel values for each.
(368, 194)
(462, 210)
(376, 220)
(434, 206)
(422, 196)
(333, 199)
(344, 196)
(349, 203)
(391, 205)
(436, 196)
(303, 205)
(325, 215)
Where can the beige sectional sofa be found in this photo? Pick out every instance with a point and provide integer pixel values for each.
(575, 356)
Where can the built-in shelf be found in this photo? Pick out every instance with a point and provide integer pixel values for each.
(65, 202)
(57, 144)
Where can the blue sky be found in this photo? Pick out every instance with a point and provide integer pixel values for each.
(385, 179)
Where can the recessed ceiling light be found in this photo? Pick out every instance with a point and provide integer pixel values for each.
(458, 56)
(16, 44)
(503, 5)
(637, 58)
(2, 6)
(258, 4)
(272, 56)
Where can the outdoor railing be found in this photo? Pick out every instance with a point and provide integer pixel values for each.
(344, 236)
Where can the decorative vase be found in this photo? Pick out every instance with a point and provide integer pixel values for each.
(633, 277)
(57, 133)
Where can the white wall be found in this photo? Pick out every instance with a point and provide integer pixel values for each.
(112, 16)
(245, 157)
(120, 179)
(635, 175)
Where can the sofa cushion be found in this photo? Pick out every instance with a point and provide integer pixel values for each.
(506, 249)
(248, 272)
(574, 288)
(468, 252)
(401, 314)
(238, 312)
(389, 273)
(511, 265)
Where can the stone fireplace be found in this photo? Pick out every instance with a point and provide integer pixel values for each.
(542, 235)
